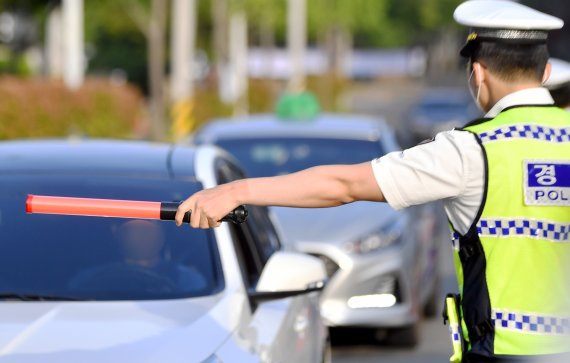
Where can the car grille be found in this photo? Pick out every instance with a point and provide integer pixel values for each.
(331, 267)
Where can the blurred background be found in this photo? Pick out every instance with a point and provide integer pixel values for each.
(159, 69)
(162, 69)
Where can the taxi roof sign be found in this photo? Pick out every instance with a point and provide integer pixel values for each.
(300, 106)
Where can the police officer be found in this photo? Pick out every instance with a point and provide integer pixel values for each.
(559, 83)
(504, 181)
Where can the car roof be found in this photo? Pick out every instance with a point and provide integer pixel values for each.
(97, 157)
(340, 126)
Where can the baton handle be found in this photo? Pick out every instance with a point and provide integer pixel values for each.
(168, 212)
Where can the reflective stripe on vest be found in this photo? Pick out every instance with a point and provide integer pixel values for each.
(520, 227)
(531, 323)
(528, 131)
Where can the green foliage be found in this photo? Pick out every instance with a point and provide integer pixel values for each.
(373, 23)
(269, 11)
(382, 23)
(263, 14)
(114, 17)
(25, 5)
(115, 30)
(126, 51)
(16, 64)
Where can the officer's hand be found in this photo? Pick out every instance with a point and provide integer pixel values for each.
(207, 207)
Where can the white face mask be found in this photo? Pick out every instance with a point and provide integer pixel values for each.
(472, 92)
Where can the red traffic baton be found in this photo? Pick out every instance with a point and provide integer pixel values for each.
(165, 211)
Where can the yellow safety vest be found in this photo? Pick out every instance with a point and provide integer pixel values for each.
(513, 265)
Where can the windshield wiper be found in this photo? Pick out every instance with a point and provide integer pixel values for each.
(37, 297)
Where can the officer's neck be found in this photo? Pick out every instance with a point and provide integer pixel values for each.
(497, 89)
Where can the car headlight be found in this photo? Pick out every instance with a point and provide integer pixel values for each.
(373, 242)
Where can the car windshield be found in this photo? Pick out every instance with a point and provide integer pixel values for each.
(275, 156)
(73, 257)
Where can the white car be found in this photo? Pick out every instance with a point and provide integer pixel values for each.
(80, 289)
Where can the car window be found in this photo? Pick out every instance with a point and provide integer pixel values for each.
(274, 156)
(263, 231)
(256, 239)
(250, 260)
(102, 258)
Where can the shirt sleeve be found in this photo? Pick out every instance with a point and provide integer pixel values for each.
(430, 171)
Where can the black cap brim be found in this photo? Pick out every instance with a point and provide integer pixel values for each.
(468, 49)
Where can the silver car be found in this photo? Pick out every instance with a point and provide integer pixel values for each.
(381, 263)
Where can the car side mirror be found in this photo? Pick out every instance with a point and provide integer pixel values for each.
(288, 274)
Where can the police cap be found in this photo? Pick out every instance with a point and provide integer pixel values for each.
(503, 21)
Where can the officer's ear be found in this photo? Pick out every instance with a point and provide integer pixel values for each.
(478, 73)
(547, 72)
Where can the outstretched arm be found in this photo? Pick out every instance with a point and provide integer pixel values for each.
(322, 186)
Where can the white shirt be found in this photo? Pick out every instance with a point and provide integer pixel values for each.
(450, 168)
